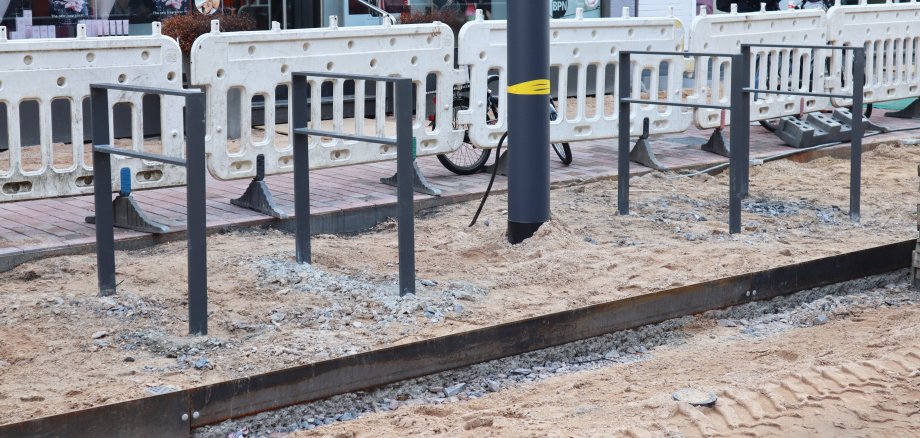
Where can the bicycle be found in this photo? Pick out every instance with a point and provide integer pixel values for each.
(469, 159)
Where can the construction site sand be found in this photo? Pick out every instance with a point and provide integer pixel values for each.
(62, 348)
(854, 376)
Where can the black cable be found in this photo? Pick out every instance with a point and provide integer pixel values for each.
(789, 154)
(498, 157)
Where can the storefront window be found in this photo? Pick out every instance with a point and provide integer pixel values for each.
(59, 18)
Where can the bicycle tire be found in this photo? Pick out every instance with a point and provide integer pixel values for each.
(471, 168)
(476, 157)
(565, 154)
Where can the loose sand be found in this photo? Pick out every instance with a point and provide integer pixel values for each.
(268, 314)
(858, 376)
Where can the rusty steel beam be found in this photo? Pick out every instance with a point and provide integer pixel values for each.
(153, 417)
(246, 396)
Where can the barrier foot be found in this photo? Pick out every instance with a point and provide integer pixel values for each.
(501, 162)
(420, 185)
(911, 112)
(642, 152)
(819, 129)
(717, 144)
(846, 116)
(257, 196)
(130, 216)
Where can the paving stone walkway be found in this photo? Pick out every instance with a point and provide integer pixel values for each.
(31, 229)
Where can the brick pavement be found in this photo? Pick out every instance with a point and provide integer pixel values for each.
(33, 229)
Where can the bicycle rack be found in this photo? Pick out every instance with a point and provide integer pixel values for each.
(405, 161)
(737, 185)
(196, 199)
(740, 121)
(858, 129)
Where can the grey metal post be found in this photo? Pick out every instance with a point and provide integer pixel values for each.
(301, 117)
(625, 77)
(405, 157)
(102, 188)
(740, 125)
(196, 204)
(745, 107)
(859, 77)
(528, 124)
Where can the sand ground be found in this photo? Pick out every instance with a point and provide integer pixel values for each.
(853, 377)
(62, 348)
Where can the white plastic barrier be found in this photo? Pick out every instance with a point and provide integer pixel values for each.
(256, 63)
(42, 72)
(724, 33)
(590, 47)
(890, 33)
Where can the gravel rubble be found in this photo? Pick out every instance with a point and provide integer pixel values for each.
(750, 321)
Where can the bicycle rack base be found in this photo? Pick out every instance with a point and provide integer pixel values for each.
(130, 216)
(911, 112)
(717, 144)
(257, 196)
(420, 185)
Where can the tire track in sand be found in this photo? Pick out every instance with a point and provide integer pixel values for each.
(865, 398)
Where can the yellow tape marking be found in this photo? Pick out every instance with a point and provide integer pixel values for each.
(537, 86)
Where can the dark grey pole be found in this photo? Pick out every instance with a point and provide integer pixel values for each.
(301, 117)
(745, 107)
(859, 78)
(625, 77)
(405, 158)
(102, 188)
(528, 120)
(196, 203)
(739, 122)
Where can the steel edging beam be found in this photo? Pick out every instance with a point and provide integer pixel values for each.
(246, 396)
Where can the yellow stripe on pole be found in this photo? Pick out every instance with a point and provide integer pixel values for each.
(537, 86)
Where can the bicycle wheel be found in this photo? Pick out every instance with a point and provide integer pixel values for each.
(564, 152)
(467, 159)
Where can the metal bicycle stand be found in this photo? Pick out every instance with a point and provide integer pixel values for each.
(405, 158)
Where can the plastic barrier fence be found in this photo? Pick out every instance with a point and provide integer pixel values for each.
(890, 33)
(773, 68)
(242, 65)
(36, 75)
(584, 51)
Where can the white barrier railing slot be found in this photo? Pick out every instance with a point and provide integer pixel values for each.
(50, 78)
(890, 32)
(772, 68)
(236, 67)
(583, 55)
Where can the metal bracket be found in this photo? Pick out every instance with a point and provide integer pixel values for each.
(420, 185)
(128, 214)
(642, 152)
(257, 196)
(717, 144)
(911, 112)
